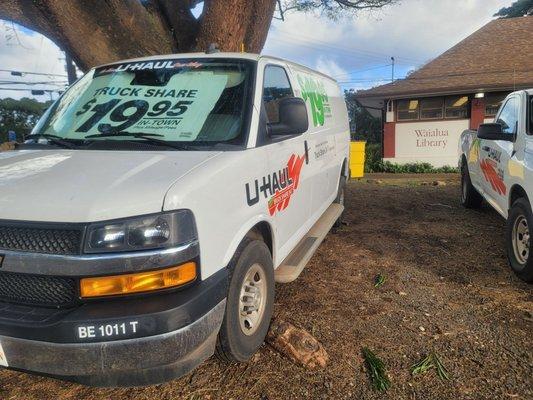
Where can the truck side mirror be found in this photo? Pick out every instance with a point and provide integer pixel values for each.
(293, 118)
(493, 131)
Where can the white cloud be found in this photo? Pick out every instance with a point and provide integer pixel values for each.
(414, 32)
(331, 68)
(23, 50)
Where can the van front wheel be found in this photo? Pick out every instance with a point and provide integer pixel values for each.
(249, 303)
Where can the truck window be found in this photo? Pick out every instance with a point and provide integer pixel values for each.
(276, 86)
(198, 101)
(508, 117)
(530, 114)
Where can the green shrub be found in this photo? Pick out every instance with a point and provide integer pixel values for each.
(373, 161)
(409, 168)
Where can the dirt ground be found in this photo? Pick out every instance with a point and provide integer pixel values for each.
(448, 289)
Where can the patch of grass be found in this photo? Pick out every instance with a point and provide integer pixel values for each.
(432, 360)
(376, 370)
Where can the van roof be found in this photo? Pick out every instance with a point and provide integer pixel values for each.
(240, 56)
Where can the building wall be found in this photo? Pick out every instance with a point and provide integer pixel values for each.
(435, 142)
(432, 141)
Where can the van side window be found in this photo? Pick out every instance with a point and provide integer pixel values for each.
(508, 117)
(276, 86)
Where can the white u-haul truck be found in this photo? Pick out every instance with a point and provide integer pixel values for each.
(497, 165)
(146, 219)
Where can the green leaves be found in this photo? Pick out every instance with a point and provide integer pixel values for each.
(432, 360)
(376, 370)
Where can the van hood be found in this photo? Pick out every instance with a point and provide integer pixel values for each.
(87, 185)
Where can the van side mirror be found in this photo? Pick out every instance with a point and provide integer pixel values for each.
(293, 118)
(493, 131)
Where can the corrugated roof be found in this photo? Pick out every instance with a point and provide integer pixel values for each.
(499, 56)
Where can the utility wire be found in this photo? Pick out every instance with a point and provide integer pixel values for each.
(360, 70)
(312, 40)
(32, 73)
(31, 90)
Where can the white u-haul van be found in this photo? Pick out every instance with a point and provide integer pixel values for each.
(145, 220)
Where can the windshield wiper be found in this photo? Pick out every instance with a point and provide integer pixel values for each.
(54, 139)
(149, 137)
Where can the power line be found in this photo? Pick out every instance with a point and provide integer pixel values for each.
(58, 83)
(31, 73)
(451, 75)
(361, 70)
(31, 90)
(309, 39)
(339, 51)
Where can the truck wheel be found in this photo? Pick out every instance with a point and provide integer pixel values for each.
(470, 197)
(341, 192)
(519, 223)
(249, 303)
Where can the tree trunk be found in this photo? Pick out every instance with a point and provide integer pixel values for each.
(233, 23)
(95, 32)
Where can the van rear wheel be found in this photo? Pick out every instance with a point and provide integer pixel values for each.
(519, 225)
(249, 303)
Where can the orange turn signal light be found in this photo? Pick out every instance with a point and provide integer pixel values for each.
(138, 282)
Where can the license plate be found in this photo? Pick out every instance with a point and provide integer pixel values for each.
(3, 358)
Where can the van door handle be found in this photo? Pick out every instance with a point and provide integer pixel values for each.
(306, 152)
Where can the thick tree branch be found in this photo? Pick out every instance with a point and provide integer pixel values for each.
(230, 23)
(93, 31)
(181, 21)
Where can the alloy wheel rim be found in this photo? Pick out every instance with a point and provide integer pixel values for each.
(252, 300)
(521, 239)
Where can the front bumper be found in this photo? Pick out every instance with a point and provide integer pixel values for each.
(120, 341)
(131, 362)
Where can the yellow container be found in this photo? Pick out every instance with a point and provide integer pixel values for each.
(357, 159)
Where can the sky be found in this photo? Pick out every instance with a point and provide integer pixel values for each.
(355, 50)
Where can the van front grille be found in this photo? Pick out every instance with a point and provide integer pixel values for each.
(37, 289)
(40, 240)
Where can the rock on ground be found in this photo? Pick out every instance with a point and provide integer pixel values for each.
(297, 344)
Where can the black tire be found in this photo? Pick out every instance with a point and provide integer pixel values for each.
(522, 265)
(233, 345)
(341, 193)
(470, 197)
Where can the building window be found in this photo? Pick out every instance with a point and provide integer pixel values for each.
(493, 101)
(431, 108)
(408, 110)
(457, 107)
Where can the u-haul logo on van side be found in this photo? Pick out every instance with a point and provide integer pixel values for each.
(278, 187)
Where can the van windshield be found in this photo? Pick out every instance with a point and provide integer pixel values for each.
(198, 101)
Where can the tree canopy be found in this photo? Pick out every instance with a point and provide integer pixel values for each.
(519, 8)
(19, 116)
(95, 32)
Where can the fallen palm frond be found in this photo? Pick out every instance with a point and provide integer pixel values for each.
(376, 370)
(442, 372)
(432, 360)
(379, 280)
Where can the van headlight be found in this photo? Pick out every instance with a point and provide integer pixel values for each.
(141, 233)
